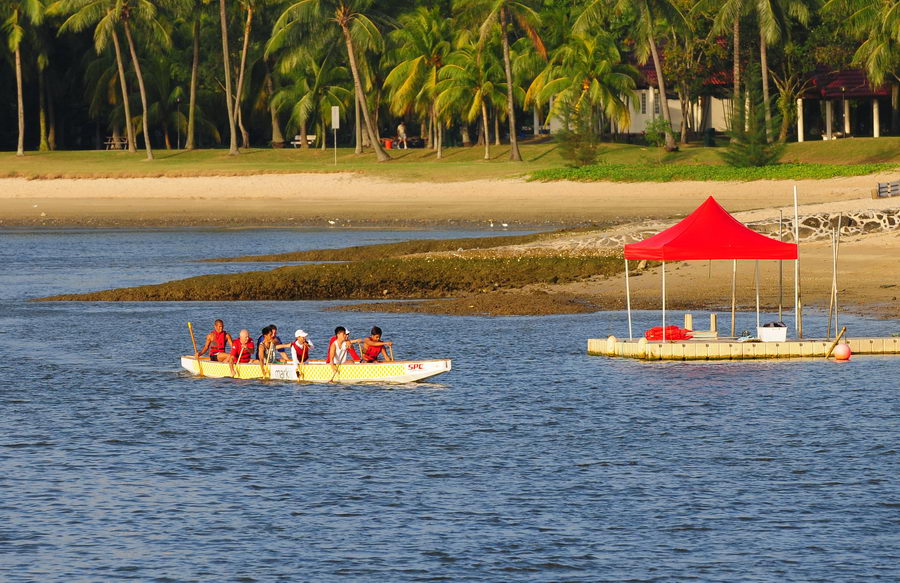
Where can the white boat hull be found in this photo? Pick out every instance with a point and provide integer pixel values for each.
(317, 371)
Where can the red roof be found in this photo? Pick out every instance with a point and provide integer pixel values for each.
(851, 83)
(709, 233)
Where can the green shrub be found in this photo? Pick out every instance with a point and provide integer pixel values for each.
(750, 146)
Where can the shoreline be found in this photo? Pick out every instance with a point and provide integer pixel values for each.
(352, 200)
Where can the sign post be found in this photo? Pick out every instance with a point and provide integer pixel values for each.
(335, 124)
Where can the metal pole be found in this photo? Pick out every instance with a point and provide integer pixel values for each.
(334, 131)
(664, 300)
(797, 316)
(733, 289)
(780, 270)
(628, 300)
(831, 295)
(837, 251)
(756, 275)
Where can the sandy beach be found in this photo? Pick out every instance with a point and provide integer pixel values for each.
(870, 274)
(354, 200)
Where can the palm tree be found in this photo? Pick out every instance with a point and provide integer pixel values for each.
(490, 14)
(314, 89)
(586, 74)
(101, 14)
(196, 7)
(357, 29)
(422, 43)
(649, 14)
(877, 24)
(223, 22)
(104, 15)
(18, 13)
(250, 7)
(468, 84)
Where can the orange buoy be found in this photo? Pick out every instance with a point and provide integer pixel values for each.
(842, 352)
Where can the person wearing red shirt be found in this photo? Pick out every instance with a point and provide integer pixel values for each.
(242, 349)
(216, 341)
(374, 347)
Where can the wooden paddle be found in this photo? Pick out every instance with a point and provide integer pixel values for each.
(196, 352)
(391, 351)
(835, 343)
(235, 364)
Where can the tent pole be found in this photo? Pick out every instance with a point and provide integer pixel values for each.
(733, 278)
(831, 296)
(837, 250)
(798, 326)
(628, 300)
(664, 300)
(756, 275)
(780, 270)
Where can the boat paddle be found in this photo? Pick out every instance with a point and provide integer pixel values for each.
(196, 353)
(234, 365)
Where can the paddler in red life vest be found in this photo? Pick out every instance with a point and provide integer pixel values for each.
(373, 346)
(300, 347)
(242, 349)
(340, 348)
(216, 341)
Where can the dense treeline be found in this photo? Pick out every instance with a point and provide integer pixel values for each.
(241, 73)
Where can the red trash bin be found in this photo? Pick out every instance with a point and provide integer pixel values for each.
(387, 143)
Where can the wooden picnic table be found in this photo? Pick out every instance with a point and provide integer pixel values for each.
(114, 143)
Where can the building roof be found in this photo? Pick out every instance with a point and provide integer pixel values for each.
(851, 83)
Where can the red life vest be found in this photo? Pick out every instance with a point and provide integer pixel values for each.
(244, 356)
(218, 343)
(371, 353)
(302, 350)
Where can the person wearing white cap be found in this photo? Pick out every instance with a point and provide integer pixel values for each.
(300, 347)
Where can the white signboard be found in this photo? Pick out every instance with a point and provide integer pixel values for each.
(335, 117)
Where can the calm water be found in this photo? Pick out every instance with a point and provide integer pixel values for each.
(530, 461)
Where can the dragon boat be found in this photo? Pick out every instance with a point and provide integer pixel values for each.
(318, 371)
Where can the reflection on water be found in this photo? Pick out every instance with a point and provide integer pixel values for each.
(529, 461)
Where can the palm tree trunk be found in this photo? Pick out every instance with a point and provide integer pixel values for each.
(51, 117)
(42, 111)
(514, 153)
(357, 126)
(245, 136)
(895, 107)
(663, 101)
(277, 136)
(484, 123)
(464, 134)
(304, 140)
(764, 65)
(120, 64)
(496, 128)
(20, 144)
(140, 78)
(373, 137)
(736, 70)
(195, 79)
(440, 139)
(223, 22)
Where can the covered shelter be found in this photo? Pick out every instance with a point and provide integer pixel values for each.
(708, 233)
(840, 104)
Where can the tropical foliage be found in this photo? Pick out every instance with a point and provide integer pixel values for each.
(191, 73)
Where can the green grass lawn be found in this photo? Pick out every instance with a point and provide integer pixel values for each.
(633, 162)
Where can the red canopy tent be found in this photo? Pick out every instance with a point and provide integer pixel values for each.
(707, 233)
